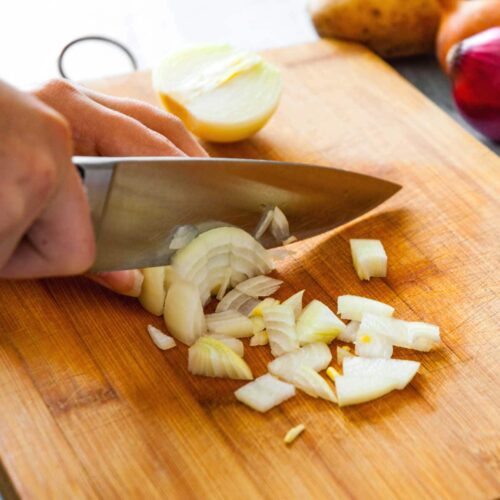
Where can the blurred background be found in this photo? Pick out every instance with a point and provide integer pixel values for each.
(33, 33)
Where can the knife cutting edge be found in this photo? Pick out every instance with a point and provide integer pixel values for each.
(137, 203)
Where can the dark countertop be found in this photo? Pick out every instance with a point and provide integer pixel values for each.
(424, 72)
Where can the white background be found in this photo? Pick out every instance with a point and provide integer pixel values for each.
(32, 32)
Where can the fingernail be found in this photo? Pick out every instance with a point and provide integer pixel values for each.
(138, 278)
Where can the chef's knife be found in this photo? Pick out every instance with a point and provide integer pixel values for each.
(138, 204)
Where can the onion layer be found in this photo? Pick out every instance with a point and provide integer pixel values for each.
(352, 307)
(230, 324)
(160, 339)
(369, 259)
(317, 356)
(318, 323)
(280, 327)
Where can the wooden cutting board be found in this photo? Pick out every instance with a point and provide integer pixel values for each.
(91, 408)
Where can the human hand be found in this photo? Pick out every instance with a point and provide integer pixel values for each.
(44, 222)
(108, 126)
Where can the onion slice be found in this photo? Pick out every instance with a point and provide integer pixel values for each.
(401, 370)
(264, 223)
(409, 334)
(295, 301)
(373, 346)
(212, 358)
(352, 307)
(355, 389)
(233, 343)
(259, 338)
(294, 433)
(342, 353)
(265, 393)
(182, 236)
(349, 333)
(317, 356)
(318, 323)
(259, 286)
(229, 324)
(153, 293)
(369, 259)
(280, 327)
(226, 281)
(258, 310)
(311, 382)
(160, 339)
(183, 312)
(237, 301)
(279, 225)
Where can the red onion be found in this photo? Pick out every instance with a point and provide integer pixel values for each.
(475, 70)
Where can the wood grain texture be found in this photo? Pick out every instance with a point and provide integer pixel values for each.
(91, 408)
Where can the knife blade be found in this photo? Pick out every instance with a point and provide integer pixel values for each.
(137, 204)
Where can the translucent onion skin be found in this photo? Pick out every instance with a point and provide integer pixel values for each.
(475, 71)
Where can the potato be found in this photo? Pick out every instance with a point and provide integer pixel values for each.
(391, 28)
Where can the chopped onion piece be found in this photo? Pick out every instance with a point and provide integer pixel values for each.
(183, 312)
(212, 358)
(317, 356)
(279, 225)
(294, 433)
(264, 223)
(153, 293)
(289, 240)
(311, 382)
(260, 338)
(258, 324)
(331, 372)
(170, 276)
(265, 393)
(296, 302)
(233, 343)
(342, 353)
(160, 339)
(205, 259)
(225, 283)
(369, 259)
(230, 324)
(349, 333)
(182, 236)
(372, 346)
(259, 286)
(280, 327)
(237, 301)
(352, 307)
(261, 306)
(401, 370)
(409, 334)
(318, 323)
(355, 389)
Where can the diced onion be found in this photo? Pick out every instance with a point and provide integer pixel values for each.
(258, 324)
(318, 323)
(317, 356)
(259, 338)
(230, 324)
(160, 339)
(153, 293)
(401, 370)
(225, 283)
(369, 259)
(352, 307)
(264, 223)
(237, 301)
(280, 327)
(182, 236)
(279, 225)
(259, 286)
(212, 358)
(233, 343)
(265, 393)
(342, 353)
(349, 333)
(409, 334)
(183, 312)
(294, 433)
(261, 306)
(279, 253)
(311, 382)
(331, 372)
(372, 346)
(355, 389)
(295, 301)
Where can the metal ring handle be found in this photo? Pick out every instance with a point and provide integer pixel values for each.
(98, 38)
